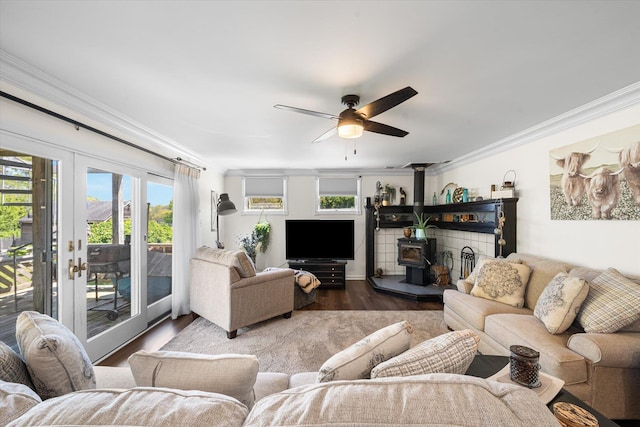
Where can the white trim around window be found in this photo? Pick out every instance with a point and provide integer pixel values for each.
(338, 186)
(264, 194)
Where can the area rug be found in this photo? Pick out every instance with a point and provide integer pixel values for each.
(306, 340)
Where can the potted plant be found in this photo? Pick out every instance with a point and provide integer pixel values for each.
(422, 223)
(249, 243)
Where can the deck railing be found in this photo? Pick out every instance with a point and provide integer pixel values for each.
(16, 271)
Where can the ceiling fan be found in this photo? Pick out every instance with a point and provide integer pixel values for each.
(352, 123)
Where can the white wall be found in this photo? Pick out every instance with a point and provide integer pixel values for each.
(595, 243)
(301, 205)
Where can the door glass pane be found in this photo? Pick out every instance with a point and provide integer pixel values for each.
(159, 241)
(28, 218)
(109, 230)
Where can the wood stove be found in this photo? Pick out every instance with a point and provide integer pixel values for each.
(417, 255)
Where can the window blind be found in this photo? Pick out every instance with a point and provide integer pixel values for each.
(338, 186)
(263, 187)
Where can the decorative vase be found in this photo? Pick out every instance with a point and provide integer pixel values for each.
(407, 232)
(385, 199)
(421, 234)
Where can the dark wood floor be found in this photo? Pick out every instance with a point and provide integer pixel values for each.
(358, 295)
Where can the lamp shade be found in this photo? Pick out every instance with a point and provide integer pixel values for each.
(350, 125)
(225, 206)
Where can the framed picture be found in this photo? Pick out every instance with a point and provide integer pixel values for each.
(214, 210)
(598, 178)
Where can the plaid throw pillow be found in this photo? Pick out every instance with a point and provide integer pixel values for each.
(613, 302)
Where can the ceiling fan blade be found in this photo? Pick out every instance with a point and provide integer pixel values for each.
(309, 112)
(328, 134)
(384, 129)
(387, 102)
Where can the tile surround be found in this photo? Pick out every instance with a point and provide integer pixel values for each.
(386, 250)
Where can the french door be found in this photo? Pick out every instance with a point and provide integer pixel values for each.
(103, 260)
(92, 258)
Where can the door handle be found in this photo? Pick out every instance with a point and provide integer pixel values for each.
(77, 268)
(81, 266)
(72, 269)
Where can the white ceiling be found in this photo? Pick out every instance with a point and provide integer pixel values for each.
(206, 74)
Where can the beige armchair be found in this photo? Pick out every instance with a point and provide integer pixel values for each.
(226, 290)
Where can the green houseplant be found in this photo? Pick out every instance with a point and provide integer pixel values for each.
(262, 231)
(422, 223)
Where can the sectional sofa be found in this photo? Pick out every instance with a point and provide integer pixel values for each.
(377, 381)
(599, 363)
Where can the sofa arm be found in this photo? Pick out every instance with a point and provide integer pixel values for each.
(619, 350)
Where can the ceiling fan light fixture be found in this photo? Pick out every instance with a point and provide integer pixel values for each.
(350, 125)
(350, 131)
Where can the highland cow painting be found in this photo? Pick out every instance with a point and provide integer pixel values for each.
(598, 178)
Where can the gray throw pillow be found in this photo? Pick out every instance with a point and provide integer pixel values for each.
(356, 361)
(12, 367)
(450, 353)
(57, 362)
(613, 303)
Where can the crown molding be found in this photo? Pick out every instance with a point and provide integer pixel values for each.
(618, 100)
(21, 75)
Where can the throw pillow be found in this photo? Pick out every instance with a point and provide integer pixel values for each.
(12, 367)
(230, 374)
(482, 260)
(501, 281)
(355, 362)
(450, 353)
(613, 302)
(15, 400)
(560, 301)
(57, 362)
(306, 280)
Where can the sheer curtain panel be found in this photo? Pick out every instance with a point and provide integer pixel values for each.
(186, 234)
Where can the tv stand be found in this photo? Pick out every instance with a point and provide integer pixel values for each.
(330, 273)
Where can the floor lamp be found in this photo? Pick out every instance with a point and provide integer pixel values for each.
(223, 207)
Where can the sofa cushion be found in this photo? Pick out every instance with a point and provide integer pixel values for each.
(141, 406)
(449, 353)
(57, 362)
(613, 303)
(12, 367)
(357, 360)
(15, 400)
(230, 374)
(236, 259)
(501, 281)
(474, 310)
(555, 358)
(542, 271)
(409, 401)
(560, 302)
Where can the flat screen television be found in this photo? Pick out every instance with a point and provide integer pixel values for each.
(319, 239)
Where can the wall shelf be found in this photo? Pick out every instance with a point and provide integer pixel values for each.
(476, 217)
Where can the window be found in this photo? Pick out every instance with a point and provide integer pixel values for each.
(339, 195)
(265, 193)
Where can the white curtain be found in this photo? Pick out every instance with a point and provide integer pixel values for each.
(186, 234)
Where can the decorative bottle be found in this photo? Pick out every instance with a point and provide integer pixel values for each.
(465, 195)
(448, 199)
(435, 199)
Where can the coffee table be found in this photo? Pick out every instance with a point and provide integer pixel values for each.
(485, 366)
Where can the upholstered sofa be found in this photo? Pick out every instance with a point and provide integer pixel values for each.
(178, 389)
(226, 289)
(601, 368)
